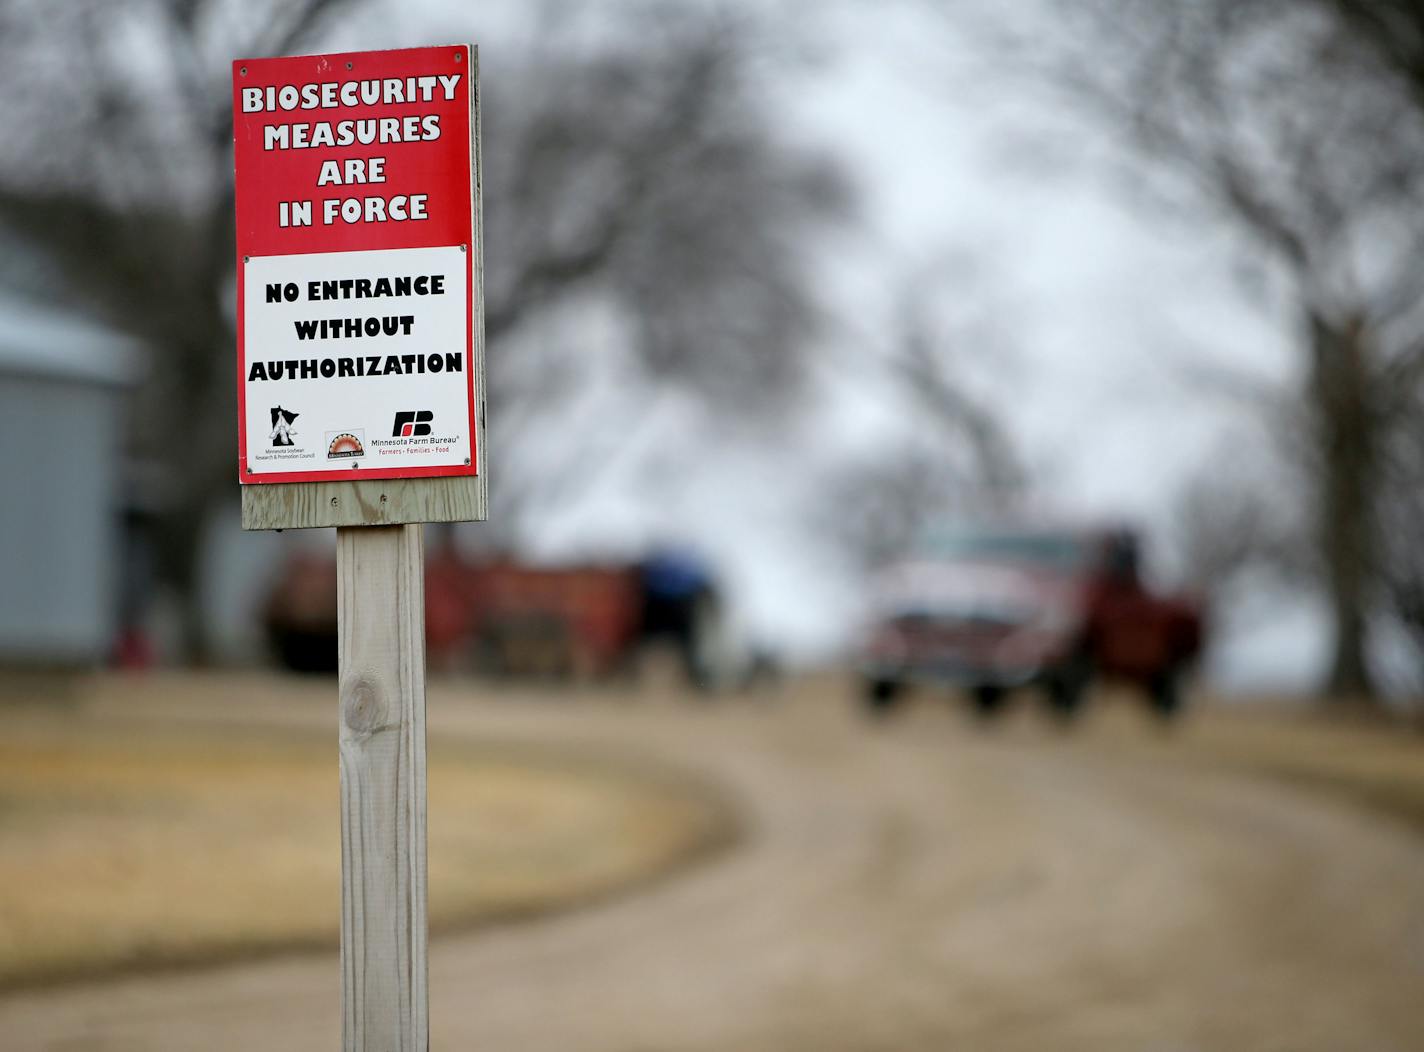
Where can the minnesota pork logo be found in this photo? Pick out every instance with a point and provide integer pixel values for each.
(343, 445)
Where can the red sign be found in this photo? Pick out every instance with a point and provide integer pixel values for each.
(357, 265)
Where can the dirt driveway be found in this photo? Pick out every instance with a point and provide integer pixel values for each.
(916, 886)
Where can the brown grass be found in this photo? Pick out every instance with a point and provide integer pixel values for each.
(1364, 758)
(129, 843)
(1371, 763)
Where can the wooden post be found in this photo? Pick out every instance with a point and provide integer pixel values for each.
(381, 597)
(417, 454)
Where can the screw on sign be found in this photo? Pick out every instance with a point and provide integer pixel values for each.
(360, 383)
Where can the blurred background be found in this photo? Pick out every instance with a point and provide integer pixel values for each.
(779, 290)
(844, 349)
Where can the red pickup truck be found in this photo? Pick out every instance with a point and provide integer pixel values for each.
(992, 610)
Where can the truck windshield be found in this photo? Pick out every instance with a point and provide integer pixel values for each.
(1059, 551)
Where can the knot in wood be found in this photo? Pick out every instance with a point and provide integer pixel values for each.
(363, 706)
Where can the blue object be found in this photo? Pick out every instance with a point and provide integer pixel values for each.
(675, 575)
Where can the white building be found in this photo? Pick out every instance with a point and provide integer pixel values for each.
(61, 449)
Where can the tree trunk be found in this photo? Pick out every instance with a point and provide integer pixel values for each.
(179, 563)
(201, 467)
(1345, 430)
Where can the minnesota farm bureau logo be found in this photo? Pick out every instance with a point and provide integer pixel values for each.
(412, 423)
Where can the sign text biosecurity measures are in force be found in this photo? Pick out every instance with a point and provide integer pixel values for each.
(357, 284)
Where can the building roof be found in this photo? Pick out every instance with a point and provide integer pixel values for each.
(40, 340)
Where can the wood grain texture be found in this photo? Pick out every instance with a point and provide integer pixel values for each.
(379, 502)
(381, 596)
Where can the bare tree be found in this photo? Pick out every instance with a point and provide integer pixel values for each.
(649, 177)
(1393, 28)
(1281, 119)
(117, 172)
(954, 459)
(647, 174)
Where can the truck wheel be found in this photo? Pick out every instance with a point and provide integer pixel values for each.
(308, 651)
(879, 696)
(988, 700)
(1166, 692)
(1068, 687)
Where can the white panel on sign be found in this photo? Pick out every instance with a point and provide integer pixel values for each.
(357, 360)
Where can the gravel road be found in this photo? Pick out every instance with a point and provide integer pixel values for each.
(922, 886)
